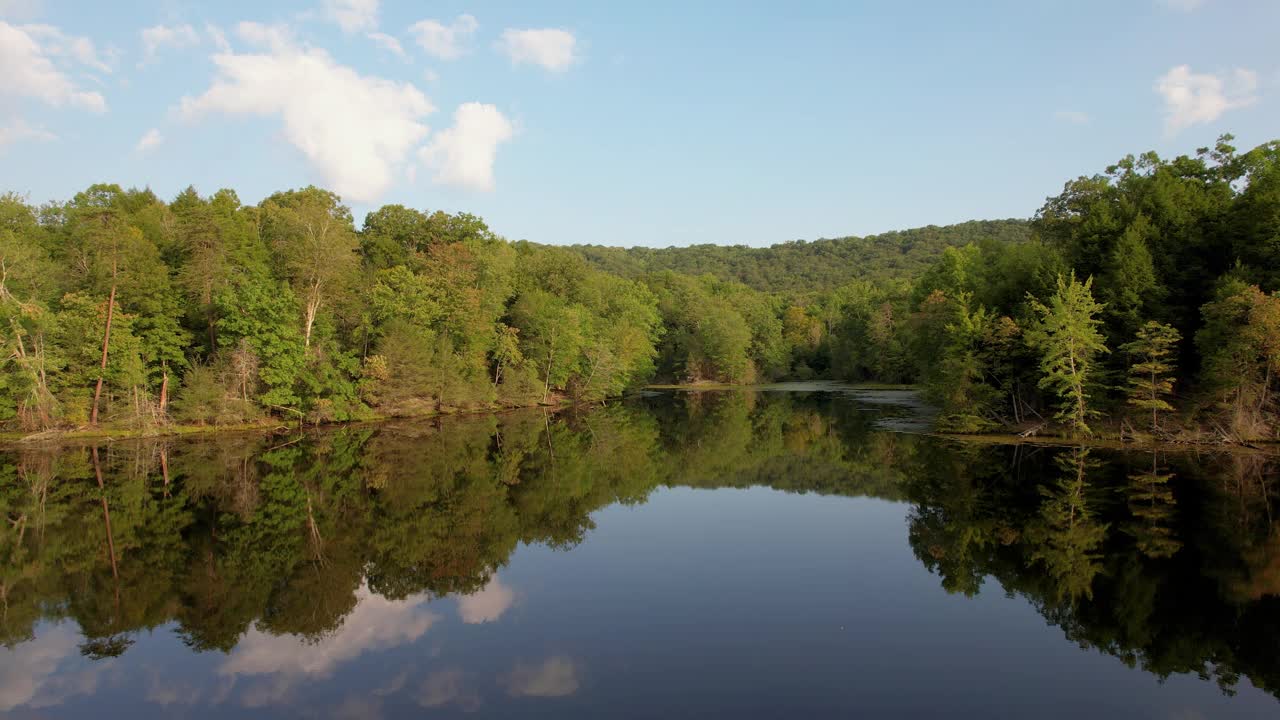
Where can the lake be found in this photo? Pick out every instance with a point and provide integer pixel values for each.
(799, 552)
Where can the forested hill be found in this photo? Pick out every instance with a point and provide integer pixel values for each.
(817, 265)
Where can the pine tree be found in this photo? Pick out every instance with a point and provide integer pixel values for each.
(1068, 340)
(1151, 377)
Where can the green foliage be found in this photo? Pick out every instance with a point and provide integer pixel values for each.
(1240, 344)
(1067, 337)
(1151, 372)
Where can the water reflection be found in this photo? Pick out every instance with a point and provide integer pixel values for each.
(282, 563)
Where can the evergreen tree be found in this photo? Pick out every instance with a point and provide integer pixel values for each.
(1151, 374)
(1067, 338)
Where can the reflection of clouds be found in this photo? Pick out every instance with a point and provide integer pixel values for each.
(375, 623)
(29, 673)
(487, 605)
(358, 708)
(554, 677)
(445, 687)
(168, 691)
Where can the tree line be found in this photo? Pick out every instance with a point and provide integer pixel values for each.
(1144, 304)
(1138, 301)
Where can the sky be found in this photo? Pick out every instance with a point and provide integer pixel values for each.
(656, 123)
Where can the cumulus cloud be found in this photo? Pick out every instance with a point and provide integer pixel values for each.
(549, 48)
(149, 141)
(446, 42)
(463, 155)
(161, 36)
(388, 43)
(554, 677)
(356, 130)
(487, 605)
(18, 130)
(1198, 98)
(28, 70)
(352, 15)
(1075, 117)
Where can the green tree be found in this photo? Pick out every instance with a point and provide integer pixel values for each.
(1151, 369)
(1066, 336)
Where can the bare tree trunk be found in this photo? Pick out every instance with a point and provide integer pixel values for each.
(106, 340)
(106, 514)
(313, 307)
(164, 393)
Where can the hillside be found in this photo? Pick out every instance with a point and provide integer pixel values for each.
(808, 265)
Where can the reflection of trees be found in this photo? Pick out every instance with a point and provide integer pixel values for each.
(1066, 537)
(1181, 585)
(1172, 564)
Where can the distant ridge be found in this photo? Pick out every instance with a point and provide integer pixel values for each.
(816, 265)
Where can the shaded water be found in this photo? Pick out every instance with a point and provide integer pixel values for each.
(744, 554)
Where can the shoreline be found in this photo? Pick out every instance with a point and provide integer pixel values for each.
(14, 440)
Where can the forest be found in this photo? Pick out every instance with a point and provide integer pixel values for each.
(1140, 301)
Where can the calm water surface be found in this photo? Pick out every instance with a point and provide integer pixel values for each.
(732, 554)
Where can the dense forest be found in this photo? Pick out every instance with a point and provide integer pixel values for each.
(1137, 301)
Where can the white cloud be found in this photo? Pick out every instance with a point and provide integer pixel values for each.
(487, 605)
(1075, 117)
(1182, 5)
(464, 154)
(218, 37)
(550, 48)
(431, 76)
(388, 43)
(352, 15)
(376, 623)
(27, 69)
(18, 130)
(149, 141)
(554, 677)
(356, 130)
(446, 42)
(161, 36)
(1198, 98)
(20, 9)
(271, 37)
(77, 48)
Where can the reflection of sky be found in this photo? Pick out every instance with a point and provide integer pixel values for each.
(265, 670)
(699, 603)
(42, 672)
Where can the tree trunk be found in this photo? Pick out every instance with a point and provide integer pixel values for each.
(164, 393)
(106, 514)
(313, 307)
(106, 341)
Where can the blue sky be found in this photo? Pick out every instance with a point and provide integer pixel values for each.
(657, 123)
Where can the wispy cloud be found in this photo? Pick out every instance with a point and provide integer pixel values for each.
(1198, 98)
(149, 141)
(1075, 117)
(550, 48)
(161, 36)
(445, 42)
